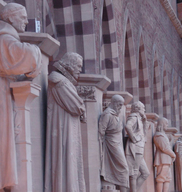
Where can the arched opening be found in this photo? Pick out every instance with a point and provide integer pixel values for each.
(130, 72)
(180, 105)
(175, 106)
(157, 96)
(109, 47)
(166, 96)
(143, 82)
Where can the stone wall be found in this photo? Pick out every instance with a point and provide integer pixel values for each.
(134, 43)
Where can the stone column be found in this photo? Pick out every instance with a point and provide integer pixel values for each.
(24, 93)
(48, 46)
(149, 184)
(90, 88)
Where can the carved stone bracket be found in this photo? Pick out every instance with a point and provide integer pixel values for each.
(24, 93)
(87, 93)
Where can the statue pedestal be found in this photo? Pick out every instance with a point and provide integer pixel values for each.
(24, 93)
(90, 89)
(37, 119)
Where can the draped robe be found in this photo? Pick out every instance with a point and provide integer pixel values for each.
(114, 167)
(64, 164)
(15, 58)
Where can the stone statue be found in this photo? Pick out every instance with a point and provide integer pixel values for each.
(16, 58)
(164, 156)
(136, 128)
(114, 168)
(64, 162)
(178, 163)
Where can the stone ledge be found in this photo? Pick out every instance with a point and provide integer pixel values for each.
(100, 81)
(171, 130)
(127, 96)
(46, 43)
(152, 116)
(174, 19)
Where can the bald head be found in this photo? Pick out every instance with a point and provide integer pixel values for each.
(117, 98)
(162, 124)
(117, 102)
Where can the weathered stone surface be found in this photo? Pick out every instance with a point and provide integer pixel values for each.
(114, 168)
(136, 128)
(164, 156)
(64, 161)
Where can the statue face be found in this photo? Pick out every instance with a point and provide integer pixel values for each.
(165, 124)
(19, 21)
(77, 68)
(142, 109)
(117, 106)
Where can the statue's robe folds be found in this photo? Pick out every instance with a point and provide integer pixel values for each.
(178, 165)
(15, 58)
(114, 168)
(64, 161)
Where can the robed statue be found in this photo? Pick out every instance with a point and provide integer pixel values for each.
(64, 162)
(16, 58)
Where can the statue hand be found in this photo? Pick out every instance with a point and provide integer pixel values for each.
(173, 157)
(83, 117)
(138, 138)
(144, 118)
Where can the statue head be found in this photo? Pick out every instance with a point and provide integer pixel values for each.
(72, 62)
(180, 139)
(138, 107)
(16, 15)
(162, 124)
(117, 102)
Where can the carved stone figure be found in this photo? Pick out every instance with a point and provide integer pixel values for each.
(114, 167)
(178, 163)
(135, 128)
(164, 156)
(64, 163)
(16, 58)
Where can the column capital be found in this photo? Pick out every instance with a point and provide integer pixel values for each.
(24, 93)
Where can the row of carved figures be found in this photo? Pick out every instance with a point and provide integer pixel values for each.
(128, 169)
(64, 162)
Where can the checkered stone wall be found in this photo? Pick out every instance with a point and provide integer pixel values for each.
(180, 104)
(130, 69)
(166, 96)
(143, 84)
(157, 91)
(74, 26)
(175, 101)
(109, 46)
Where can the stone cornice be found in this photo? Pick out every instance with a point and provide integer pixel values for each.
(173, 17)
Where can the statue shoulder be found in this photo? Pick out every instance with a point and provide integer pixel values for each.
(132, 115)
(56, 77)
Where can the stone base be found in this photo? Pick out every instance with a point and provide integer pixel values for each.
(110, 190)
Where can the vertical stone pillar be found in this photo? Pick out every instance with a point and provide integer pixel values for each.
(48, 46)
(149, 184)
(91, 88)
(24, 93)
